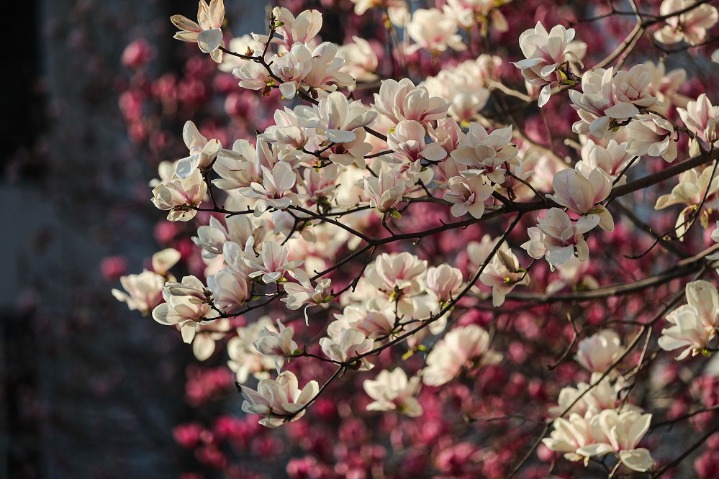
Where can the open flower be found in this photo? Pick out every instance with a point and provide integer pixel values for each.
(276, 341)
(465, 346)
(693, 324)
(202, 151)
(208, 33)
(503, 273)
(690, 26)
(391, 391)
(279, 400)
(180, 196)
(599, 351)
(545, 55)
(581, 195)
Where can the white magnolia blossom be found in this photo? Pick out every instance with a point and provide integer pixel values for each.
(230, 289)
(386, 191)
(401, 100)
(557, 238)
(187, 306)
(487, 153)
(467, 195)
(244, 358)
(392, 391)
(600, 351)
(690, 26)
(303, 293)
(701, 118)
(652, 135)
(696, 187)
(144, 291)
(271, 264)
(300, 29)
(180, 196)
(611, 99)
(202, 151)
(611, 158)
(335, 117)
(275, 190)
(371, 322)
(609, 432)
(203, 346)
(444, 283)
(588, 399)
(694, 324)
(502, 273)
(465, 346)
(582, 194)
(466, 87)
(276, 341)
(546, 54)
(360, 60)
(398, 277)
(347, 344)
(207, 31)
(279, 400)
(432, 30)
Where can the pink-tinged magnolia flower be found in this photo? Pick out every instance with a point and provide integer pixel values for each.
(488, 153)
(208, 33)
(503, 273)
(581, 195)
(202, 151)
(610, 100)
(212, 238)
(612, 158)
(557, 238)
(384, 192)
(271, 265)
(546, 53)
(163, 260)
(665, 86)
(466, 86)
(245, 359)
(465, 346)
(599, 351)
(360, 60)
(691, 191)
(701, 118)
(326, 73)
(434, 31)
(392, 391)
(276, 341)
(444, 283)
(589, 399)
(187, 305)
(693, 324)
(690, 26)
(372, 323)
(346, 345)
(230, 290)
(652, 135)
(303, 293)
(619, 433)
(291, 67)
(180, 196)
(468, 195)
(570, 436)
(279, 400)
(275, 190)
(143, 291)
(302, 29)
(335, 118)
(401, 100)
(397, 275)
(468, 13)
(407, 143)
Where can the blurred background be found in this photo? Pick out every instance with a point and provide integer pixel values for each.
(87, 388)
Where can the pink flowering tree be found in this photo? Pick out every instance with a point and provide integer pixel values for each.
(462, 239)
